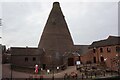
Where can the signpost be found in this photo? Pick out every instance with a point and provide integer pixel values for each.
(78, 64)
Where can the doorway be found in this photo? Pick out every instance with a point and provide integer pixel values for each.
(44, 66)
(102, 59)
(94, 59)
(70, 61)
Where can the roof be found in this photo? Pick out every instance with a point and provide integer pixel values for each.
(76, 54)
(25, 51)
(81, 49)
(111, 40)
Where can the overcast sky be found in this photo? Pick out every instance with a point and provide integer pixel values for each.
(88, 21)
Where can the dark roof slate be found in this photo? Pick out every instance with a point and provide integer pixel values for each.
(111, 40)
(25, 51)
(81, 49)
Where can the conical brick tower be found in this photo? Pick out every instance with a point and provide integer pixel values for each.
(56, 38)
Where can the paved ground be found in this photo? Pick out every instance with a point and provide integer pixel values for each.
(7, 73)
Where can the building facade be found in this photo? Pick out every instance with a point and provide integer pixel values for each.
(25, 56)
(105, 52)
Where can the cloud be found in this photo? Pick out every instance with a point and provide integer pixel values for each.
(92, 21)
(23, 22)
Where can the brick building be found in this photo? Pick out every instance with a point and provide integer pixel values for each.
(56, 47)
(25, 56)
(104, 52)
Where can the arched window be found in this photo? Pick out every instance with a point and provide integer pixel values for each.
(101, 50)
(94, 50)
(108, 50)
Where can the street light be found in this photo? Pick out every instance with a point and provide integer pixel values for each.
(118, 62)
(105, 65)
(105, 59)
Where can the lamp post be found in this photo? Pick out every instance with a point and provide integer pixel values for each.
(105, 65)
(57, 69)
(105, 60)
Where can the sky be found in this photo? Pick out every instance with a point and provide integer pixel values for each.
(23, 21)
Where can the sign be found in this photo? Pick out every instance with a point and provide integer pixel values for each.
(77, 62)
(48, 71)
(57, 67)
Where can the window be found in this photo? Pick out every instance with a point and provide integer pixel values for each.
(101, 50)
(108, 50)
(26, 59)
(94, 51)
(34, 59)
(117, 49)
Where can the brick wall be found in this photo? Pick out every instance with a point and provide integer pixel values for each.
(107, 54)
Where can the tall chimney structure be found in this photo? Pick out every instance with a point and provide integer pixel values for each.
(56, 38)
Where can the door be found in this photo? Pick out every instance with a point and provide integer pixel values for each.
(94, 59)
(102, 59)
(70, 62)
(44, 66)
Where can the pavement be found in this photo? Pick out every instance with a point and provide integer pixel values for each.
(6, 73)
